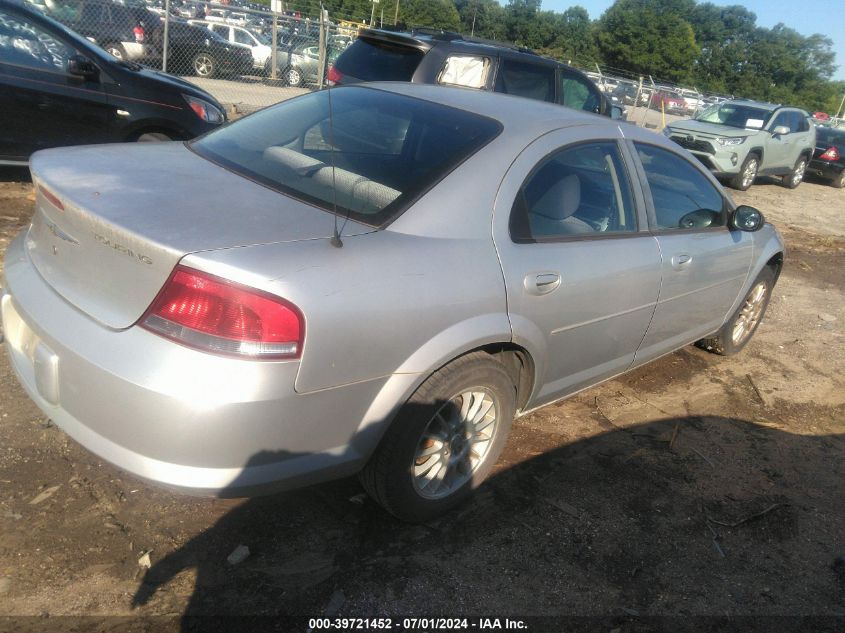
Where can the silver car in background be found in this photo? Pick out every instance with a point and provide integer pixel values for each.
(370, 279)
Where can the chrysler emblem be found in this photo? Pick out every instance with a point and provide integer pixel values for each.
(55, 230)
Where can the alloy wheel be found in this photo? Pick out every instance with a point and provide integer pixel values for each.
(203, 65)
(798, 173)
(749, 173)
(455, 443)
(750, 313)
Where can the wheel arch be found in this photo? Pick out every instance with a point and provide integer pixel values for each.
(403, 383)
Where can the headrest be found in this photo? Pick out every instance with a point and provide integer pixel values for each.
(561, 200)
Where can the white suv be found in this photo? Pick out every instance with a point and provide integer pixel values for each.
(258, 44)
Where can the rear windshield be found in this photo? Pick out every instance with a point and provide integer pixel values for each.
(374, 60)
(375, 154)
(829, 135)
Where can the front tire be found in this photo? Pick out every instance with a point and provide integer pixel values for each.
(115, 50)
(738, 330)
(794, 178)
(154, 137)
(747, 173)
(444, 441)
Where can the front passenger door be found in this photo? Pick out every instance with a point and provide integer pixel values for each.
(704, 264)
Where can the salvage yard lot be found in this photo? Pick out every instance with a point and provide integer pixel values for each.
(695, 485)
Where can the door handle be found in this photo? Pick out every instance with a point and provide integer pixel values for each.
(542, 283)
(681, 260)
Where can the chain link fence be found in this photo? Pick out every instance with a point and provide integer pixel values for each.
(247, 57)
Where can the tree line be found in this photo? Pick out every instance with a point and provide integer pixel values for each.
(717, 49)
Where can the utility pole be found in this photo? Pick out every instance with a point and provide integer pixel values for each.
(373, 13)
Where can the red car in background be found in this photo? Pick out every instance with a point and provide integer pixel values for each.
(668, 101)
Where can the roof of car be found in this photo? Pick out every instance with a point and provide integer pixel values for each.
(430, 37)
(756, 104)
(512, 111)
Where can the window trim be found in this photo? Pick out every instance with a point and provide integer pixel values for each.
(638, 230)
(651, 213)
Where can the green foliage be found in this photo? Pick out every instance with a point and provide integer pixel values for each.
(714, 48)
(650, 37)
(439, 14)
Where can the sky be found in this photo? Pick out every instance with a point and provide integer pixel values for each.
(816, 16)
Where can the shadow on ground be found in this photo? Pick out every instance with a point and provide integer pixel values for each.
(683, 516)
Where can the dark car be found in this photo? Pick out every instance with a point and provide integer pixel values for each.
(829, 157)
(57, 88)
(197, 50)
(438, 57)
(127, 31)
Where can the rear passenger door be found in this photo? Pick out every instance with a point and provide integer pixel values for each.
(704, 264)
(582, 273)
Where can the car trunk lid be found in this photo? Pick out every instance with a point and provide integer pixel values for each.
(112, 221)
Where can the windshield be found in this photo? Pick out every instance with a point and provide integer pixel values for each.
(735, 115)
(375, 154)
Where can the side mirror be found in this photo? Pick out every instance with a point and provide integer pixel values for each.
(745, 218)
(780, 130)
(615, 112)
(81, 66)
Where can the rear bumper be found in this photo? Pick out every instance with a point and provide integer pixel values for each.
(825, 169)
(171, 415)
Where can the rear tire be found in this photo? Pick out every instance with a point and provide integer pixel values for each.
(444, 441)
(796, 176)
(204, 65)
(738, 330)
(115, 50)
(152, 137)
(839, 182)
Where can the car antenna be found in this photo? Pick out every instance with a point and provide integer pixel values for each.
(336, 241)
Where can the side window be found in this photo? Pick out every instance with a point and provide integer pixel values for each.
(25, 44)
(221, 30)
(94, 14)
(465, 70)
(533, 81)
(783, 118)
(580, 190)
(242, 37)
(577, 92)
(683, 197)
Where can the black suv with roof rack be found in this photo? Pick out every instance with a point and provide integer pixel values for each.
(440, 57)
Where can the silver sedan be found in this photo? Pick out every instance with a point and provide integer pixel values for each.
(372, 279)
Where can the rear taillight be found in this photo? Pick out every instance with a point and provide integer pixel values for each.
(139, 33)
(830, 154)
(334, 75)
(215, 315)
(51, 198)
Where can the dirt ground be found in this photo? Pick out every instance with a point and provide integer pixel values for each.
(697, 485)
